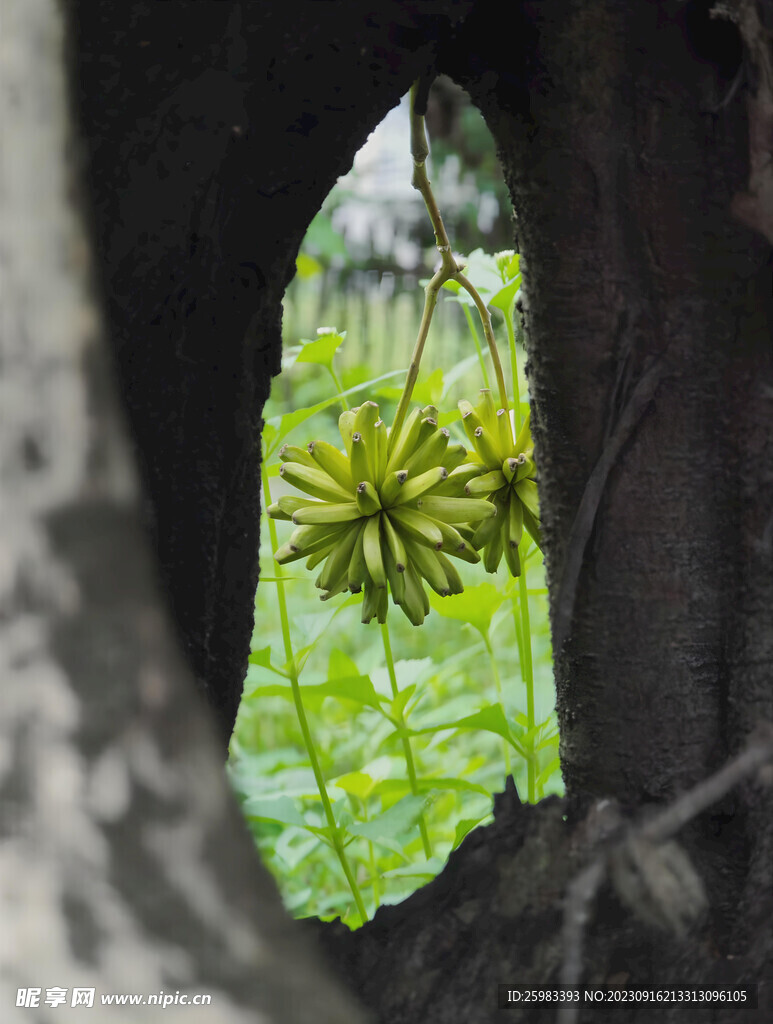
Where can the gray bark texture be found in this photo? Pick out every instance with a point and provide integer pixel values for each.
(125, 865)
(636, 142)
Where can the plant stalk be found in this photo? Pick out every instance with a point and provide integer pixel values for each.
(406, 741)
(301, 713)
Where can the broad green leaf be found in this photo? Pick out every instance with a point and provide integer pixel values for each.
(505, 297)
(281, 809)
(428, 390)
(290, 420)
(397, 707)
(323, 239)
(358, 689)
(425, 869)
(489, 718)
(392, 823)
(340, 664)
(357, 783)
(475, 605)
(306, 266)
(321, 351)
(464, 826)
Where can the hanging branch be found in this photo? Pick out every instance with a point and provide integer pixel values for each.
(449, 269)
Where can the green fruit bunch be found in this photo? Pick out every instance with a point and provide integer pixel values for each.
(501, 470)
(383, 514)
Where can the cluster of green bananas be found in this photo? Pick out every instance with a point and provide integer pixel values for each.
(385, 512)
(501, 470)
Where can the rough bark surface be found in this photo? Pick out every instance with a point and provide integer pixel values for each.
(125, 865)
(211, 134)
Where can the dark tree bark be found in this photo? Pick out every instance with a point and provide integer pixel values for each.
(639, 171)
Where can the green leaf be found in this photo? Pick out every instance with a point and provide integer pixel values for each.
(426, 869)
(322, 350)
(392, 823)
(505, 297)
(489, 719)
(359, 784)
(340, 664)
(475, 605)
(428, 390)
(306, 266)
(464, 826)
(290, 420)
(261, 657)
(322, 238)
(280, 809)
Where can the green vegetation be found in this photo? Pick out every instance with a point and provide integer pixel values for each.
(363, 754)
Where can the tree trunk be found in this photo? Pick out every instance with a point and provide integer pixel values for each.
(126, 865)
(212, 134)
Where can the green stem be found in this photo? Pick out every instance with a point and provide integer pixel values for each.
(406, 740)
(478, 349)
(500, 698)
(514, 369)
(339, 389)
(527, 671)
(308, 740)
(488, 331)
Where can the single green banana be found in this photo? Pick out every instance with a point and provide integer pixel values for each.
(512, 557)
(346, 429)
(526, 469)
(357, 573)
(361, 469)
(487, 410)
(308, 539)
(454, 543)
(504, 432)
(509, 469)
(454, 485)
(333, 462)
(492, 553)
(287, 504)
(454, 456)
(524, 441)
(369, 602)
(395, 576)
(382, 606)
(430, 412)
(338, 588)
(456, 510)
(427, 429)
(486, 447)
(455, 584)
(290, 552)
(390, 489)
(367, 498)
(313, 481)
(527, 492)
(487, 483)
(486, 532)
(337, 563)
(292, 453)
(365, 420)
(371, 546)
(411, 523)
(515, 520)
(402, 446)
(413, 599)
(470, 419)
(380, 452)
(532, 524)
(325, 512)
(427, 564)
(429, 454)
(319, 556)
(414, 488)
(394, 544)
